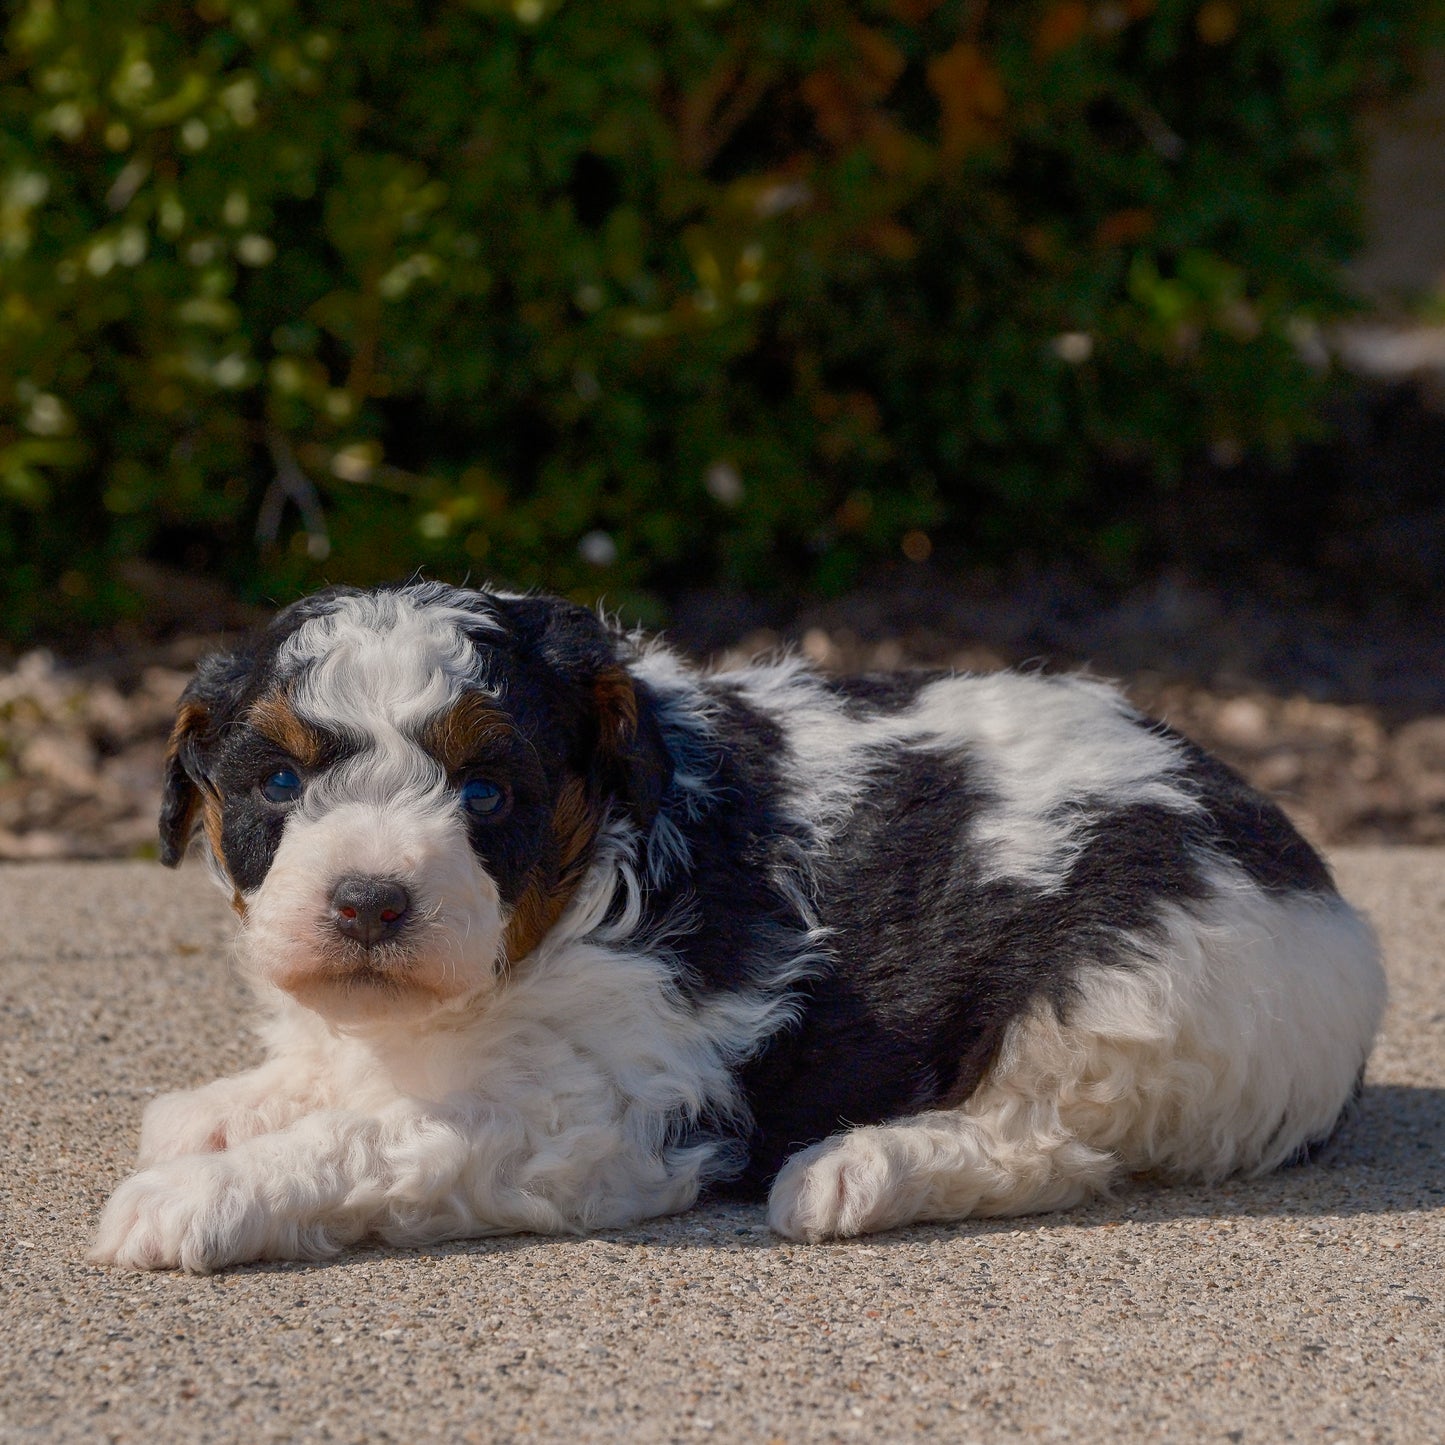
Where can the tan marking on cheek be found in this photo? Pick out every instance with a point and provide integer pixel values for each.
(531, 921)
(211, 823)
(274, 718)
(459, 735)
(574, 827)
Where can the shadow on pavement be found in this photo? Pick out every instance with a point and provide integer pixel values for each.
(1388, 1157)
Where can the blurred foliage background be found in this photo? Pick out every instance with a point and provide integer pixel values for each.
(621, 298)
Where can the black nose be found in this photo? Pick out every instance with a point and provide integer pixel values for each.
(370, 910)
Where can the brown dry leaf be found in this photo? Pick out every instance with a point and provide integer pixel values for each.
(971, 97)
(1124, 227)
(915, 12)
(881, 62)
(1062, 25)
(1217, 22)
(836, 111)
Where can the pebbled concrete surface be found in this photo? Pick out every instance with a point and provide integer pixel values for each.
(1307, 1306)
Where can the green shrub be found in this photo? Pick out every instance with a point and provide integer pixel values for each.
(617, 296)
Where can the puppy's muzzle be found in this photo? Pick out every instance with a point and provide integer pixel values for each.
(369, 910)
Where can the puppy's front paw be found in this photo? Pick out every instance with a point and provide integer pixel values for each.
(198, 1121)
(190, 1213)
(176, 1124)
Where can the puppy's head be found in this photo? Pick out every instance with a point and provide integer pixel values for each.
(403, 788)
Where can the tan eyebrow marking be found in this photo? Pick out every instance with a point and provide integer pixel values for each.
(274, 718)
(456, 736)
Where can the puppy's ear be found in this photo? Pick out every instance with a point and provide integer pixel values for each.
(632, 761)
(209, 695)
(628, 758)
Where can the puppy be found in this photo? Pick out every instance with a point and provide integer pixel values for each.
(551, 932)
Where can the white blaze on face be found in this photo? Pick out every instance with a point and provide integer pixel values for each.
(373, 672)
(380, 663)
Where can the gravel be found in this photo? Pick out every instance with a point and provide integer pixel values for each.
(1343, 723)
(1302, 1306)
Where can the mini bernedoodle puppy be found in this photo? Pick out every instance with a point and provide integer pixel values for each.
(552, 931)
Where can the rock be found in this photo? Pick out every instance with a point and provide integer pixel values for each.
(1419, 756)
(1243, 722)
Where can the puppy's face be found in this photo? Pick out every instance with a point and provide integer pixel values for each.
(403, 788)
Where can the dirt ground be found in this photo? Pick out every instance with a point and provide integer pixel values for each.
(1345, 725)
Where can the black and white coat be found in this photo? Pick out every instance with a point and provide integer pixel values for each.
(552, 931)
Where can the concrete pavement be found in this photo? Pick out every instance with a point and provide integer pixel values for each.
(1307, 1306)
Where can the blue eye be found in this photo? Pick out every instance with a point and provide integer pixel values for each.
(282, 787)
(483, 799)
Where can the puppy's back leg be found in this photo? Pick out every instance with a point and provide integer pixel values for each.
(1042, 1132)
(942, 1165)
(1229, 1041)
